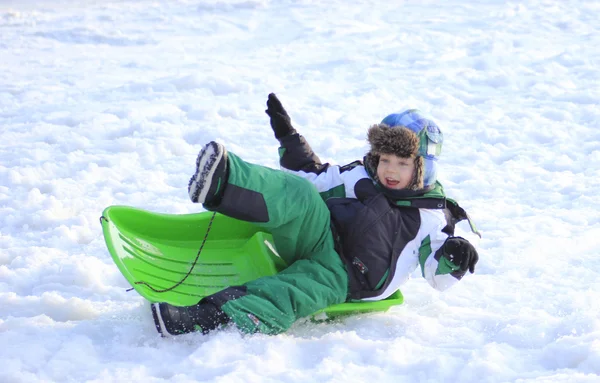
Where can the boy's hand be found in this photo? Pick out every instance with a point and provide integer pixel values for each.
(461, 253)
(280, 121)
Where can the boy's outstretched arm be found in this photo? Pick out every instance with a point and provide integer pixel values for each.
(297, 157)
(295, 153)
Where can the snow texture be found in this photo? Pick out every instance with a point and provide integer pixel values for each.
(108, 103)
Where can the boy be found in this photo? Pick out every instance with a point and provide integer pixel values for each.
(354, 232)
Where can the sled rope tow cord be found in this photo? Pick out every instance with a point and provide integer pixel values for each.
(191, 268)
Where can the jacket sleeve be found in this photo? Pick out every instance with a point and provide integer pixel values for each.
(297, 157)
(436, 269)
(296, 154)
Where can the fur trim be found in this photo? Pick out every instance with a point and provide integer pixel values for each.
(400, 141)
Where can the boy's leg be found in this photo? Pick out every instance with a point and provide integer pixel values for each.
(292, 210)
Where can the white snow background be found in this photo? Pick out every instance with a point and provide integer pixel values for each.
(108, 102)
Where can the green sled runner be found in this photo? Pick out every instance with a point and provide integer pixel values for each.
(160, 249)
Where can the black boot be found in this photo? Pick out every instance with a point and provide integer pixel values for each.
(175, 320)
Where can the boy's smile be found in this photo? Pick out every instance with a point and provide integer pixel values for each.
(395, 172)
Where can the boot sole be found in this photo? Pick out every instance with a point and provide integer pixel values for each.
(206, 165)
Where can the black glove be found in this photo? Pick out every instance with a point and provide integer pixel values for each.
(461, 253)
(280, 121)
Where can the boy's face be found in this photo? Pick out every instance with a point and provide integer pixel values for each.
(395, 172)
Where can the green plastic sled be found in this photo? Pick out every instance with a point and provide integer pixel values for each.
(159, 249)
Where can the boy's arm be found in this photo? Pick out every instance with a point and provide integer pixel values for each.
(295, 153)
(444, 260)
(296, 156)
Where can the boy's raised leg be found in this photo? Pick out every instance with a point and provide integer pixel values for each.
(291, 209)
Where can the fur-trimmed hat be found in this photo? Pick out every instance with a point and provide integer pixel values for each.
(387, 137)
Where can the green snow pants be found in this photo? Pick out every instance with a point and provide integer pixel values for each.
(291, 209)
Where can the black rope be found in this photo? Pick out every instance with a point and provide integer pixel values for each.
(191, 268)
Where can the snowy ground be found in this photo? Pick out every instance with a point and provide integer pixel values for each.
(106, 103)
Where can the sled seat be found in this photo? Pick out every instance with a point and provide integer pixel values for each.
(159, 249)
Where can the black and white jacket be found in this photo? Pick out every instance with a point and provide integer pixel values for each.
(382, 240)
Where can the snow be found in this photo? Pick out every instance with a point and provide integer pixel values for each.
(107, 103)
